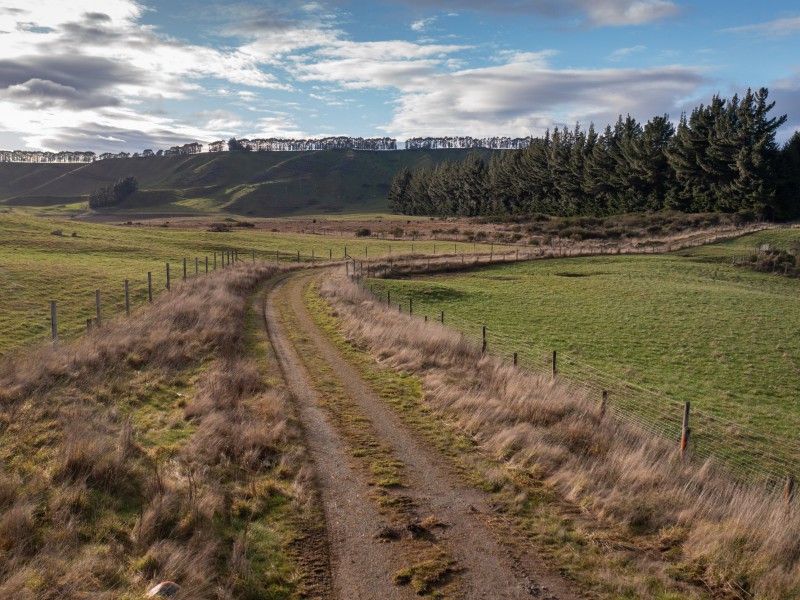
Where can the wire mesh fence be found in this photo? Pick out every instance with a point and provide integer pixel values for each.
(750, 454)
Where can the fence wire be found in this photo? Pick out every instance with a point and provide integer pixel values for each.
(751, 455)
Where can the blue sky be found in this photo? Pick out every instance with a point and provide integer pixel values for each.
(112, 75)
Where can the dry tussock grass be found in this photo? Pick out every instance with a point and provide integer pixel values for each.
(737, 541)
(85, 509)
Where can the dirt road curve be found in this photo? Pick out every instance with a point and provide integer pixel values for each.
(362, 567)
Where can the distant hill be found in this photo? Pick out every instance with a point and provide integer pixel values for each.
(259, 184)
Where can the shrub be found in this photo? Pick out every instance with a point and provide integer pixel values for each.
(363, 232)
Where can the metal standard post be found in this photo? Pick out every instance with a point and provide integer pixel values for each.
(53, 322)
(98, 307)
(685, 431)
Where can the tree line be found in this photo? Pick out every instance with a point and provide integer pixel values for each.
(721, 157)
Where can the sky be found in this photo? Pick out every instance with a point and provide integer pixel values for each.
(125, 75)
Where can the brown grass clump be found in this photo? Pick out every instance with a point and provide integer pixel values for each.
(736, 540)
(139, 453)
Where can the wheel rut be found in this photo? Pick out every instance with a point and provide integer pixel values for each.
(362, 568)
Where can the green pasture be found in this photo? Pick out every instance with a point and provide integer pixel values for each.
(37, 266)
(691, 327)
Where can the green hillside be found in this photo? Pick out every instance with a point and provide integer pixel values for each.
(256, 184)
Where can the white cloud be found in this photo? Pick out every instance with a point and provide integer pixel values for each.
(777, 28)
(621, 53)
(422, 24)
(595, 13)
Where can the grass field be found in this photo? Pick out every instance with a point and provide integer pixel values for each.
(692, 327)
(38, 267)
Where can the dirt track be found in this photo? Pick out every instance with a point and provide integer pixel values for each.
(362, 566)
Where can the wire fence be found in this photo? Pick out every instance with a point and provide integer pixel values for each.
(751, 455)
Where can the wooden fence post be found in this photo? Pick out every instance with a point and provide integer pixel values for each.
(685, 431)
(399, 308)
(206, 265)
(603, 404)
(442, 317)
(98, 307)
(312, 256)
(410, 306)
(483, 346)
(276, 258)
(167, 276)
(150, 286)
(426, 318)
(184, 268)
(215, 260)
(53, 322)
(388, 297)
(788, 492)
(515, 359)
(345, 252)
(127, 299)
(330, 254)
(555, 364)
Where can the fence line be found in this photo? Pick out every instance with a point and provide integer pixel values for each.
(751, 455)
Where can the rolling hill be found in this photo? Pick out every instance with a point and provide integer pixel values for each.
(263, 184)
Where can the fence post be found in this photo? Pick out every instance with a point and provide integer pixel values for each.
(483, 346)
(312, 256)
(298, 257)
(434, 248)
(167, 276)
(788, 492)
(388, 297)
(330, 254)
(399, 308)
(276, 258)
(98, 307)
(685, 431)
(410, 306)
(345, 252)
(603, 404)
(127, 299)
(215, 260)
(206, 265)
(88, 326)
(366, 251)
(515, 359)
(184, 268)
(53, 322)
(426, 318)
(442, 317)
(150, 286)
(555, 364)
